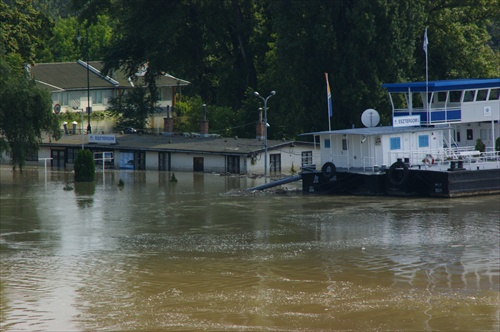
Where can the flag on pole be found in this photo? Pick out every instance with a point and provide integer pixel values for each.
(426, 41)
(328, 97)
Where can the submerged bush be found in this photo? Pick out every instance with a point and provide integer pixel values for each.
(84, 166)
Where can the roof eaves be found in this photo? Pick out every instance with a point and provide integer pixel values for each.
(98, 72)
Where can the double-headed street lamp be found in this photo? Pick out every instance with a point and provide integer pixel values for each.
(265, 126)
(89, 108)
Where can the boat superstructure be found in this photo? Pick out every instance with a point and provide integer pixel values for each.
(431, 148)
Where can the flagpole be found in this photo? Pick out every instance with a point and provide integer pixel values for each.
(330, 113)
(329, 102)
(426, 42)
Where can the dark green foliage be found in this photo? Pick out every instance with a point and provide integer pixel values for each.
(497, 144)
(25, 112)
(84, 166)
(480, 146)
(228, 48)
(173, 178)
(23, 29)
(222, 120)
(133, 109)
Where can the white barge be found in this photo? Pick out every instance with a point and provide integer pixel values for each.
(444, 145)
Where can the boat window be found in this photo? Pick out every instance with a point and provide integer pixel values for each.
(469, 95)
(400, 101)
(455, 96)
(307, 158)
(441, 96)
(494, 94)
(423, 141)
(395, 143)
(344, 144)
(482, 134)
(327, 143)
(481, 95)
(417, 100)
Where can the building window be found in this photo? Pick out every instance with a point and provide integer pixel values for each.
(96, 97)
(233, 164)
(307, 158)
(198, 164)
(140, 160)
(470, 136)
(162, 161)
(71, 154)
(275, 162)
(458, 136)
(423, 141)
(32, 156)
(395, 143)
(345, 146)
(327, 143)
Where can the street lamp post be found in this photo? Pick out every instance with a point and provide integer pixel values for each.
(265, 126)
(89, 108)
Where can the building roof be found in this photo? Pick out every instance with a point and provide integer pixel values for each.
(384, 130)
(60, 76)
(178, 143)
(448, 85)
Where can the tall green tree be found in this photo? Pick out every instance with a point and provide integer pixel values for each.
(23, 29)
(133, 108)
(25, 112)
(227, 48)
(70, 39)
(25, 109)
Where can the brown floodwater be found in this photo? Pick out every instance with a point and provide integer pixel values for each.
(203, 254)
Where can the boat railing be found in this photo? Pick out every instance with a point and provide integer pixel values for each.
(437, 113)
(484, 160)
(430, 157)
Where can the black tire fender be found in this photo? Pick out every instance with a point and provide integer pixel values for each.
(328, 170)
(396, 180)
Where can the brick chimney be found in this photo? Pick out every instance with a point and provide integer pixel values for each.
(168, 124)
(204, 123)
(204, 128)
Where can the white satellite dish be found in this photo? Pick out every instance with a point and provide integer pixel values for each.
(370, 118)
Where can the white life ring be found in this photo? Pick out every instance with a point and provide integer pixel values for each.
(428, 160)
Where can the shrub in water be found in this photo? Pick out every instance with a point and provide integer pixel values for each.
(84, 166)
(480, 145)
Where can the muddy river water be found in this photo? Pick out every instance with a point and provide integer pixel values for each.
(203, 254)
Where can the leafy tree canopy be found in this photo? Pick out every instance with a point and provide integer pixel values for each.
(230, 48)
(133, 109)
(23, 29)
(25, 112)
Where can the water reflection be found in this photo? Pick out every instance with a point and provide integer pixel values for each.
(84, 192)
(201, 254)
